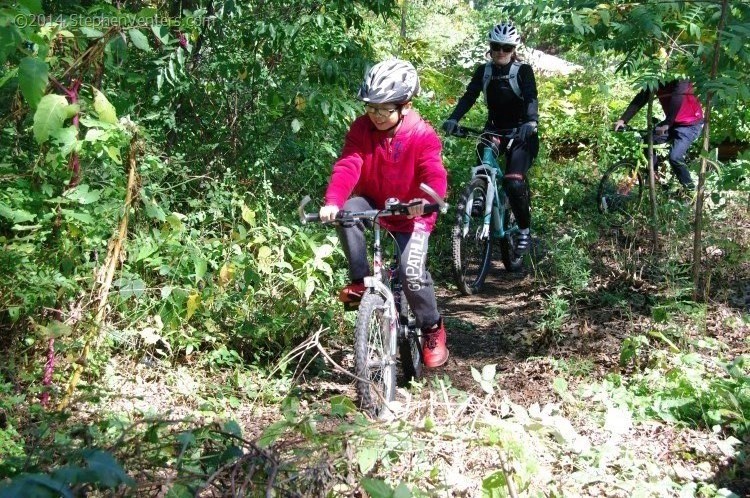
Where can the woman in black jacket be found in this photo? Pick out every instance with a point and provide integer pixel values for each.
(510, 94)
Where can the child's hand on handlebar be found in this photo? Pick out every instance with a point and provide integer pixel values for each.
(416, 207)
(619, 125)
(328, 212)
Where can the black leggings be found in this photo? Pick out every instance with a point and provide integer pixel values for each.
(518, 160)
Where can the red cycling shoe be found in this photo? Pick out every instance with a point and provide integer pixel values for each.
(352, 293)
(434, 351)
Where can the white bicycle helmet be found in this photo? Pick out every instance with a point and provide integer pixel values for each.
(504, 32)
(391, 81)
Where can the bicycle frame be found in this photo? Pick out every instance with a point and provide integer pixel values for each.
(377, 283)
(494, 206)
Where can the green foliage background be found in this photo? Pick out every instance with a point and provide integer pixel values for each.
(235, 111)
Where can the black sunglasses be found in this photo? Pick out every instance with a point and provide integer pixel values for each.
(499, 47)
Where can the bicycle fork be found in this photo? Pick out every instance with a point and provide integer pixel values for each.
(375, 284)
(490, 207)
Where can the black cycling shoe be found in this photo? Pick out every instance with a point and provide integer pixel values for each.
(523, 243)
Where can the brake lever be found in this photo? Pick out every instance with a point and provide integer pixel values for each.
(435, 197)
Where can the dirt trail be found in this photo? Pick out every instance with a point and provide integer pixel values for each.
(500, 325)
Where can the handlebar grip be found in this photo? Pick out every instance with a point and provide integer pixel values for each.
(311, 217)
(431, 208)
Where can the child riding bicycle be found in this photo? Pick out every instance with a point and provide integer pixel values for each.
(388, 152)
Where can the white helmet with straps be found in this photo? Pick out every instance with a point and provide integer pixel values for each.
(505, 32)
(390, 81)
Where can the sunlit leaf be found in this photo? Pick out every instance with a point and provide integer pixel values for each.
(139, 40)
(193, 301)
(50, 115)
(103, 108)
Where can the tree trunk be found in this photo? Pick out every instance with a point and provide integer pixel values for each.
(402, 40)
(698, 228)
(652, 176)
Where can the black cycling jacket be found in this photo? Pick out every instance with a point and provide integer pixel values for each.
(505, 109)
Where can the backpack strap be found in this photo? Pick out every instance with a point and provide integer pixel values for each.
(486, 80)
(512, 78)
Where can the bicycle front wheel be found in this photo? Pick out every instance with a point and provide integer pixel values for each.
(374, 361)
(620, 193)
(409, 345)
(472, 248)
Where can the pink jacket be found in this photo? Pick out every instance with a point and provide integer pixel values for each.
(371, 167)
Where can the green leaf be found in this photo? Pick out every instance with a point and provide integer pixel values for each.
(488, 372)
(367, 457)
(201, 265)
(476, 375)
(34, 6)
(342, 405)
(493, 482)
(103, 108)
(161, 32)
(130, 287)
(193, 301)
(50, 116)
(179, 491)
(33, 76)
(83, 194)
(153, 210)
(233, 428)
(114, 154)
(15, 215)
(76, 215)
(67, 139)
(108, 472)
(139, 40)
(8, 75)
(296, 125)
(272, 433)
(377, 488)
(402, 491)
(36, 485)
(91, 32)
(248, 215)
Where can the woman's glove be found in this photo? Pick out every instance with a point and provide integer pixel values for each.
(526, 130)
(450, 126)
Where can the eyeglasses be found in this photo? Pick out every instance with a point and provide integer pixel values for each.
(380, 111)
(499, 47)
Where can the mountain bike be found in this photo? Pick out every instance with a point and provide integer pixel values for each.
(385, 334)
(621, 188)
(484, 215)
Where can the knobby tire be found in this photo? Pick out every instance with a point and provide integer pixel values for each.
(374, 363)
(471, 256)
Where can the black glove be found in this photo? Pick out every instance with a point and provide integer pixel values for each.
(450, 126)
(526, 130)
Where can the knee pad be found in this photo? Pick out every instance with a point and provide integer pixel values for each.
(516, 188)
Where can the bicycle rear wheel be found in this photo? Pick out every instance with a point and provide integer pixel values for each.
(620, 193)
(409, 345)
(471, 250)
(374, 361)
(511, 260)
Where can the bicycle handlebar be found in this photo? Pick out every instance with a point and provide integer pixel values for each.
(393, 207)
(643, 132)
(466, 132)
